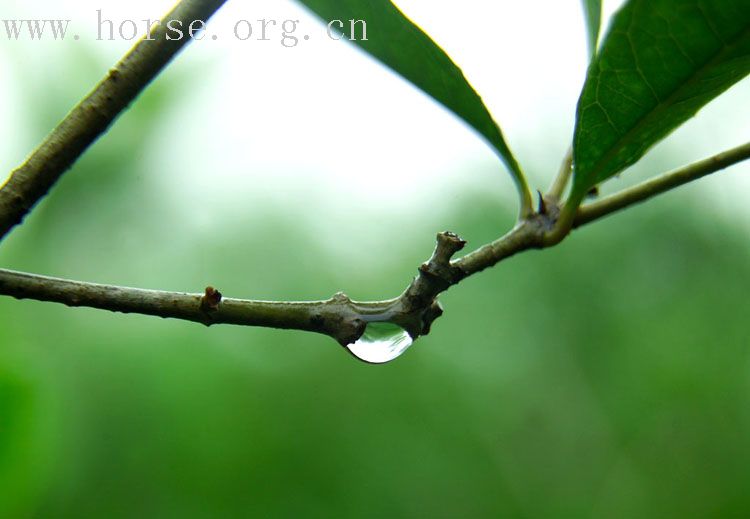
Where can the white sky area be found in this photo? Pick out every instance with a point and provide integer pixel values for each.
(322, 127)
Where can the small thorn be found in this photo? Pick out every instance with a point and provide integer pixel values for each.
(542, 203)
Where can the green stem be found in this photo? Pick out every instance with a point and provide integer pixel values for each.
(563, 177)
(655, 186)
(526, 200)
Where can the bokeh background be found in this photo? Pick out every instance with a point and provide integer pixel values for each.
(609, 377)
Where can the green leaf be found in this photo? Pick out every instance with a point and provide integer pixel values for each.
(402, 46)
(661, 62)
(593, 11)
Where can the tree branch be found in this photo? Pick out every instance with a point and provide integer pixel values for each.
(340, 317)
(337, 317)
(94, 115)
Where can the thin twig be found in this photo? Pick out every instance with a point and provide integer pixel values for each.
(93, 116)
(339, 317)
(330, 317)
(655, 186)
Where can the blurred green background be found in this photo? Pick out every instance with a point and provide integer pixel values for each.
(609, 377)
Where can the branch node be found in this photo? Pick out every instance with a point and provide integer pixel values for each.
(439, 265)
(211, 300)
(340, 297)
(434, 311)
(448, 244)
(349, 330)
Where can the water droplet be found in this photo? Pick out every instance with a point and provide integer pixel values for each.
(381, 343)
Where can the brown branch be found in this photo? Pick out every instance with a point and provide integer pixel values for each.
(93, 116)
(336, 317)
(340, 317)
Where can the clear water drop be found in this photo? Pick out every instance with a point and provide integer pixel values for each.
(381, 343)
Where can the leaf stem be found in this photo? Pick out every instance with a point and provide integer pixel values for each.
(526, 200)
(563, 176)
